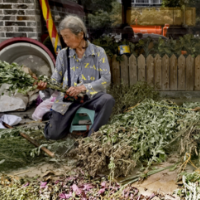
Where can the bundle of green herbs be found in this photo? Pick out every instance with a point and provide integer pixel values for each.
(140, 136)
(20, 81)
(16, 151)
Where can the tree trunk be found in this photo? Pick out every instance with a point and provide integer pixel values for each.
(126, 4)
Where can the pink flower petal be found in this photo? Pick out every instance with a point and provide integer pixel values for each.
(70, 178)
(87, 187)
(25, 185)
(76, 189)
(151, 197)
(65, 196)
(101, 191)
(43, 184)
(103, 184)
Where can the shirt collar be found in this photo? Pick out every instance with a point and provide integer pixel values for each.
(89, 50)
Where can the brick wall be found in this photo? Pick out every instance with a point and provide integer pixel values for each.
(20, 18)
(61, 8)
(23, 18)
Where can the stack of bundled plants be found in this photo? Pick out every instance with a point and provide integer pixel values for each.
(141, 136)
(16, 151)
(20, 81)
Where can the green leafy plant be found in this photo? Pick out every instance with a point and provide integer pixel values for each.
(111, 46)
(149, 46)
(19, 81)
(139, 136)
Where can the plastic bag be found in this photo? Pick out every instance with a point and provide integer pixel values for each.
(10, 120)
(43, 108)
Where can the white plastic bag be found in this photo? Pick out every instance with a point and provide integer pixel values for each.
(43, 108)
(10, 120)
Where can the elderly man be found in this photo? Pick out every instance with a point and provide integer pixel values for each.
(84, 68)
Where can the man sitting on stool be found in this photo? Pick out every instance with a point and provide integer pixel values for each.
(89, 73)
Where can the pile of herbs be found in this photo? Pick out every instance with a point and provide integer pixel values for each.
(16, 151)
(139, 137)
(20, 81)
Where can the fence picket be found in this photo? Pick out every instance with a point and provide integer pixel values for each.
(124, 70)
(181, 73)
(158, 74)
(165, 72)
(173, 73)
(110, 64)
(197, 73)
(141, 68)
(133, 69)
(115, 70)
(150, 70)
(189, 73)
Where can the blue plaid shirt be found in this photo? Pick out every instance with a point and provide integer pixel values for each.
(92, 71)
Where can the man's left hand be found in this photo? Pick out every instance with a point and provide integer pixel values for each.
(74, 91)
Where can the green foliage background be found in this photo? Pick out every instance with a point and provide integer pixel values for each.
(149, 46)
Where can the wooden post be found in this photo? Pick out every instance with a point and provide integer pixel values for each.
(111, 69)
(150, 70)
(124, 70)
(197, 73)
(115, 70)
(190, 73)
(158, 74)
(181, 73)
(173, 72)
(165, 72)
(133, 70)
(141, 68)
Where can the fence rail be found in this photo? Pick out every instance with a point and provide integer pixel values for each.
(164, 73)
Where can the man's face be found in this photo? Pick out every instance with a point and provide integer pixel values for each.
(70, 39)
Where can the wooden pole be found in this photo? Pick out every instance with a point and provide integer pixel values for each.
(49, 153)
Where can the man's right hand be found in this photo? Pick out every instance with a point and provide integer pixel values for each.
(41, 85)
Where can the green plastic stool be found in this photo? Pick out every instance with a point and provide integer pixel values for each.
(82, 116)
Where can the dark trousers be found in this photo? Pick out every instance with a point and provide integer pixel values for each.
(59, 125)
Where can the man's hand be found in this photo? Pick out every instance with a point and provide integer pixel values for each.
(41, 85)
(75, 91)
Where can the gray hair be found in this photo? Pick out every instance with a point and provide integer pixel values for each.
(74, 23)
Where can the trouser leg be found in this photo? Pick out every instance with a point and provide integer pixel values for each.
(103, 109)
(58, 125)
